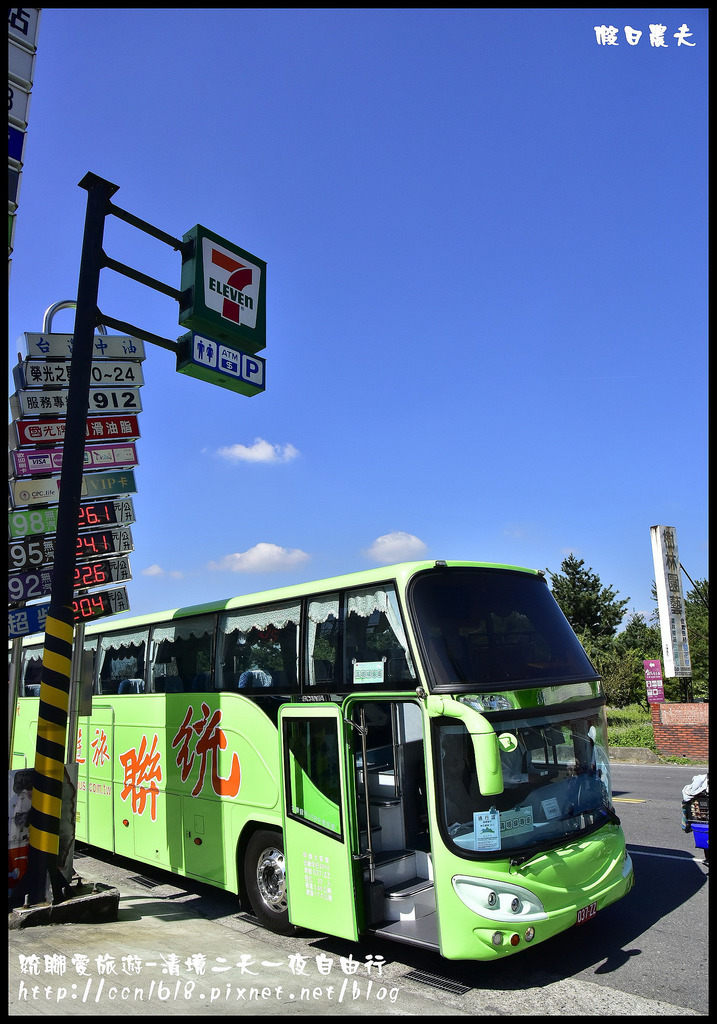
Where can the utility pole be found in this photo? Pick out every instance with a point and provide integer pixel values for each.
(43, 876)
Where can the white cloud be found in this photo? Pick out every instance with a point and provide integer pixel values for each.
(261, 558)
(260, 451)
(395, 547)
(157, 570)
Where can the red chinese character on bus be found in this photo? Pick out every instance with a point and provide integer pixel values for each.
(211, 740)
(100, 753)
(141, 766)
(78, 753)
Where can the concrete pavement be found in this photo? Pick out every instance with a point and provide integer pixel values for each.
(176, 951)
(161, 958)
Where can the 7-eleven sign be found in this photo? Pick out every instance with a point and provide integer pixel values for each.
(224, 289)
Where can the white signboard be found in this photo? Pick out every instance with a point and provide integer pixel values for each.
(486, 830)
(49, 373)
(46, 490)
(22, 25)
(21, 64)
(46, 403)
(104, 346)
(670, 602)
(45, 461)
(18, 103)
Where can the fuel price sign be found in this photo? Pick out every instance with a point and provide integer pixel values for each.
(29, 586)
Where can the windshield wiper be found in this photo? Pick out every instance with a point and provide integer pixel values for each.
(547, 844)
(539, 847)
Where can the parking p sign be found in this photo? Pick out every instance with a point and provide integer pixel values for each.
(224, 292)
(206, 359)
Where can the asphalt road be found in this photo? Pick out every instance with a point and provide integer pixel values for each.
(646, 955)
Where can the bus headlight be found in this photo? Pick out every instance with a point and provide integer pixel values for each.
(498, 901)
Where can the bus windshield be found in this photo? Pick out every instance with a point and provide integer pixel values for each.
(556, 782)
(491, 626)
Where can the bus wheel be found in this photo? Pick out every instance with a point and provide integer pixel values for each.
(265, 881)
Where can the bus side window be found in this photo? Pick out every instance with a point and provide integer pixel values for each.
(122, 658)
(258, 650)
(182, 655)
(375, 638)
(31, 672)
(323, 637)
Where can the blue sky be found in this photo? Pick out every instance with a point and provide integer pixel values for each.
(486, 245)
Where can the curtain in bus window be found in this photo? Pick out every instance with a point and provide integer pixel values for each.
(259, 648)
(182, 655)
(31, 672)
(122, 658)
(375, 637)
(323, 640)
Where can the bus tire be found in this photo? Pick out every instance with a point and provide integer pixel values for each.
(265, 881)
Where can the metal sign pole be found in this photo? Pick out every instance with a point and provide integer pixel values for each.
(59, 625)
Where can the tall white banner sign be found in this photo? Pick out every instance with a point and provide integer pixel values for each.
(670, 602)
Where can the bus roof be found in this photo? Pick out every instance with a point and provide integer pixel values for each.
(401, 572)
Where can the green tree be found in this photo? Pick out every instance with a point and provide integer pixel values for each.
(698, 634)
(592, 609)
(637, 642)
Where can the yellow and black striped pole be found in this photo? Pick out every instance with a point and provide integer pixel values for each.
(51, 738)
(43, 878)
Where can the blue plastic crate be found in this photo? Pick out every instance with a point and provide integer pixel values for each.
(701, 832)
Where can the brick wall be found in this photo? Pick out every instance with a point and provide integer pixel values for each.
(681, 730)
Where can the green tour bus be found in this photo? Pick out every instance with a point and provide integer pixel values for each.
(416, 752)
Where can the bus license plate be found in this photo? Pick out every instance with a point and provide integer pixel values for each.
(586, 913)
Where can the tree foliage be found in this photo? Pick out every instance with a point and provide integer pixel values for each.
(589, 607)
(595, 612)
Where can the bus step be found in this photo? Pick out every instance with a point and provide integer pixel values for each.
(395, 867)
(375, 838)
(422, 932)
(410, 901)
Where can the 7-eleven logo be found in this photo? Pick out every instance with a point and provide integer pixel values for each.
(231, 286)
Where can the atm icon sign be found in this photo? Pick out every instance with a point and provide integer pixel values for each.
(217, 363)
(229, 360)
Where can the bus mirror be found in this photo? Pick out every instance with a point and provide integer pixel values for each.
(485, 742)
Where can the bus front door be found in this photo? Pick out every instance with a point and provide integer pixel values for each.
(321, 872)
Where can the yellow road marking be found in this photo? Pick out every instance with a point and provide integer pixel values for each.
(627, 800)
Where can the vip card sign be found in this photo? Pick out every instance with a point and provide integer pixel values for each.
(224, 292)
(46, 490)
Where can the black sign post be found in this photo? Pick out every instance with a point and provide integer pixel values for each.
(43, 878)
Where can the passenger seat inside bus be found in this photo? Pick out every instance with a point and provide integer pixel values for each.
(130, 686)
(202, 682)
(254, 678)
(168, 684)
